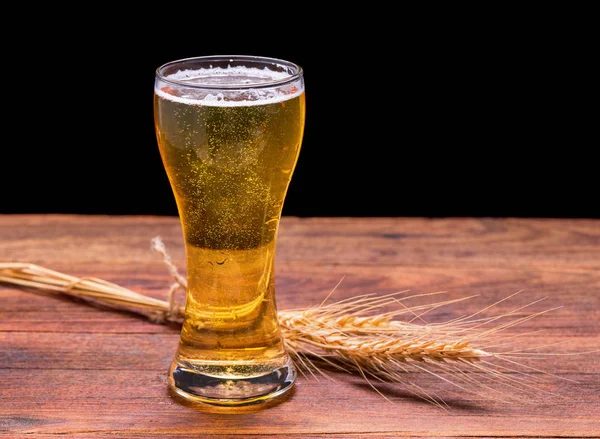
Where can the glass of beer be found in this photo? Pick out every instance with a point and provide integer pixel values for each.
(229, 131)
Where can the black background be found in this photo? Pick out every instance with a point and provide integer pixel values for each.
(410, 116)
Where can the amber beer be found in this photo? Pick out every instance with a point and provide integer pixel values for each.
(229, 133)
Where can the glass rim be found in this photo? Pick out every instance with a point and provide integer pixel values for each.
(297, 74)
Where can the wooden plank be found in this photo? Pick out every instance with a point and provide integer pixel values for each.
(74, 351)
(179, 435)
(138, 402)
(454, 242)
(68, 369)
(304, 284)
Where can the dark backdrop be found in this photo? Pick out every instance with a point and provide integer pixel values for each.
(471, 119)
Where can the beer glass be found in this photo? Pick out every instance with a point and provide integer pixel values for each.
(229, 130)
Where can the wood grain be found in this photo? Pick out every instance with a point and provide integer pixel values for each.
(68, 369)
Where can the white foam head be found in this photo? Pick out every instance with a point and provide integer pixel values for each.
(216, 86)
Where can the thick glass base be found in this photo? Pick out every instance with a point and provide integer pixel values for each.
(231, 384)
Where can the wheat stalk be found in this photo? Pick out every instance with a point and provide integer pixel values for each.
(353, 335)
(342, 336)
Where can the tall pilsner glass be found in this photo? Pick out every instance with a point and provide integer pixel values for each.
(229, 130)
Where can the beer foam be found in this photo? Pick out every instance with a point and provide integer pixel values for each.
(216, 77)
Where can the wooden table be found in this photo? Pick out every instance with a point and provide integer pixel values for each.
(68, 369)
